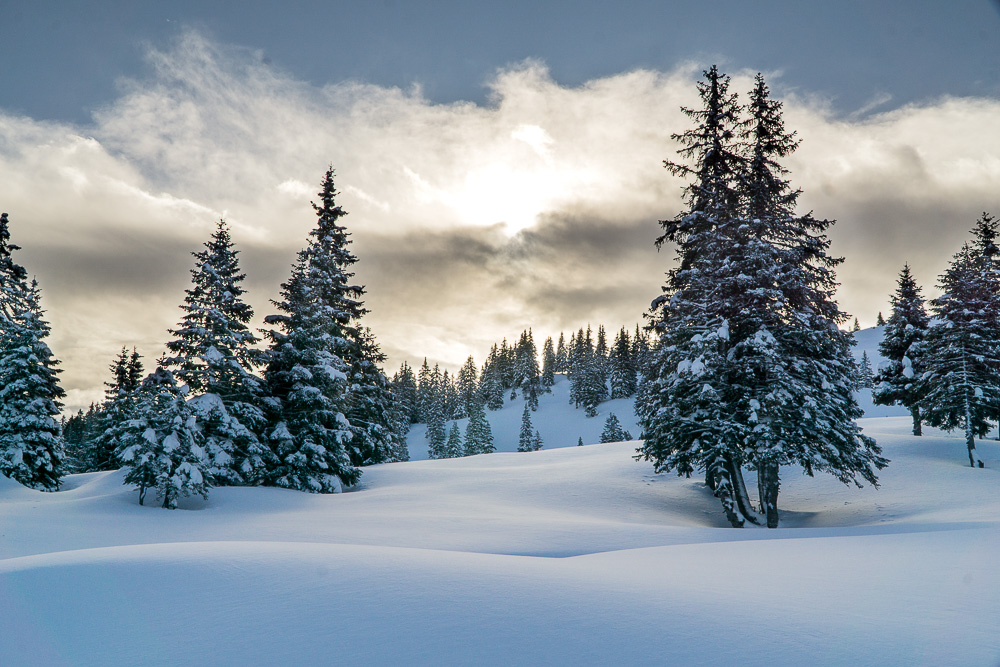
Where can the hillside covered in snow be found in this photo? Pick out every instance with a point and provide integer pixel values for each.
(569, 555)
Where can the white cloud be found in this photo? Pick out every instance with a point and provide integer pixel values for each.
(471, 222)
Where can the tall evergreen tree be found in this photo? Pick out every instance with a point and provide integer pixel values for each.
(960, 383)
(897, 379)
(562, 355)
(478, 434)
(118, 406)
(437, 435)
(377, 433)
(31, 446)
(525, 442)
(865, 373)
(622, 367)
(750, 367)
(213, 353)
(454, 447)
(307, 376)
(404, 387)
(468, 387)
(426, 392)
(548, 365)
(880, 322)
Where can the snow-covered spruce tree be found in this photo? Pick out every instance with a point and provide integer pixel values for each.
(601, 352)
(490, 383)
(621, 367)
(468, 387)
(684, 421)
(453, 447)
(960, 383)
(896, 380)
(426, 392)
(525, 442)
(478, 434)
(161, 446)
(437, 435)
(613, 431)
(450, 398)
(307, 377)
(536, 442)
(548, 365)
(865, 374)
(404, 388)
(212, 351)
(31, 447)
(378, 435)
(751, 367)
(118, 406)
(562, 355)
(527, 373)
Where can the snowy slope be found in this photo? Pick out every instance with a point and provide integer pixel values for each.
(574, 555)
(557, 421)
(868, 341)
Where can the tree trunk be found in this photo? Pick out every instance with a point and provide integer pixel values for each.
(723, 488)
(771, 483)
(740, 491)
(970, 437)
(915, 413)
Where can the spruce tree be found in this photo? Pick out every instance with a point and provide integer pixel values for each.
(536, 442)
(161, 448)
(613, 431)
(896, 381)
(960, 383)
(622, 367)
(468, 387)
(880, 322)
(404, 388)
(525, 442)
(213, 353)
(865, 371)
(307, 377)
(750, 368)
(437, 436)
(478, 434)
(378, 434)
(548, 365)
(118, 406)
(490, 383)
(454, 447)
(31, 447)
(562, 355)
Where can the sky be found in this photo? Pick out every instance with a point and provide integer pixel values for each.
(501, 163)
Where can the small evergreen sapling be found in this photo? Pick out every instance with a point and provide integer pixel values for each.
(478, 434)
(613, 431)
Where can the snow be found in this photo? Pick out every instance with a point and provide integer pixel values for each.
(569, 555)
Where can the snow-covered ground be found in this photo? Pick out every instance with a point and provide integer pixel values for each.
(571, 555)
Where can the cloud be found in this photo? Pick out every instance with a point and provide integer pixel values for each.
(471, 221)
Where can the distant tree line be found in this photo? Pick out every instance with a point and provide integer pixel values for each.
(595, 370)
(306, 412)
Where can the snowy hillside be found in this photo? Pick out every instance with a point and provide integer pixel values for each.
(573, 555)
(557, 421)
